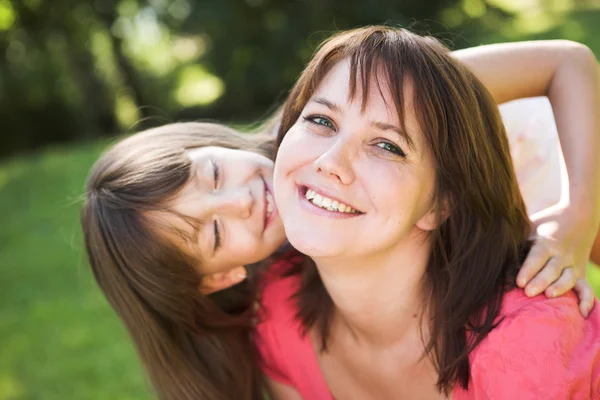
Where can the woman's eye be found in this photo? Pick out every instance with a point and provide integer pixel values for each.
(319, 120)
(391, 148)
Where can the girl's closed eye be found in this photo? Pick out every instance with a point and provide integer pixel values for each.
(216, 231)
(216, 173)
(217, 234)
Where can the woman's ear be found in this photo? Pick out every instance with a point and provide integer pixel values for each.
(222, 280)
(429, 221)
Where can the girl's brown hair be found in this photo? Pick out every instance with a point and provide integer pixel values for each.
(478, 248)
(193, 346)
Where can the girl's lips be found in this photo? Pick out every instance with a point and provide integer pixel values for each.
(309, 206)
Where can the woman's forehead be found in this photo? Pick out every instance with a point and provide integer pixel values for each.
(378, 103)
(376, 90)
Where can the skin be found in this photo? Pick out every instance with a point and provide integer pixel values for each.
(337, 151)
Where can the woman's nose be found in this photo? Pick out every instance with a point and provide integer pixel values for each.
(336, 161)
(236, 202)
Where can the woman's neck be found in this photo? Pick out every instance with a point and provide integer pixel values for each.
(380, 298)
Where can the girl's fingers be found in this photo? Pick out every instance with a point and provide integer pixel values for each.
(535, 261)
(549, 274)
(586, 297)
(563, 284)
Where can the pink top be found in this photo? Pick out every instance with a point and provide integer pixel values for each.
(543, 349)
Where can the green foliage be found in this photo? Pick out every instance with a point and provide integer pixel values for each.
(75, 70)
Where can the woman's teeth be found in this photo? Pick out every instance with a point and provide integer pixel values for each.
(327, 203)
(270, 206)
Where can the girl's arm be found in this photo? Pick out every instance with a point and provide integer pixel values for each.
(567, 73)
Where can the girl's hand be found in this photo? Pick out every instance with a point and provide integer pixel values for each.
(558, 258)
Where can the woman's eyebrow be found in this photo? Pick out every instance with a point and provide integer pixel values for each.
(329, 104)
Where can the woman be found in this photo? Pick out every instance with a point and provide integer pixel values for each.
(393, 174)
(161, 211)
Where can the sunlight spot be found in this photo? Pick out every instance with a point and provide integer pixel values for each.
(147, 28)
(474, 8)
(517, 6)
(536, 23)
(7, 15)
(10, 388)
(187, 49)
(197, 86)
(122, 27)
(528, 7)
(126, 110)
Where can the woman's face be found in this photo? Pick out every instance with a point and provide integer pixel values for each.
(348, 182)
(231, 194)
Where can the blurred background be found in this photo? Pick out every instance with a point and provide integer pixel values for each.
(74, 74)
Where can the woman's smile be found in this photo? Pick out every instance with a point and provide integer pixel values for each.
(322, 200)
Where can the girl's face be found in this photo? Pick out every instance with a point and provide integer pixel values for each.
(349, 182)
(231, 194)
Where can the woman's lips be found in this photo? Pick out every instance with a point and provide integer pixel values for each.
(315, 209)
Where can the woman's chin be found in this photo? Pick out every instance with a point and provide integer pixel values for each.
(313, 247)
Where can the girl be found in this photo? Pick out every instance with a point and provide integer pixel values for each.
(393, 174)
(141, 234)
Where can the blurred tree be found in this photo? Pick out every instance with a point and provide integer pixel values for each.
(259, 47)
(108, 14)
(72, 69)
(53, 92)
(55, 87)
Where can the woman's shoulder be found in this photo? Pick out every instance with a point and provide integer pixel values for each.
(516, 304)
(540, 347)
(540, 327)
(547, 322)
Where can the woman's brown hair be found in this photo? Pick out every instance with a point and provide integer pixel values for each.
(478, 248)
(192, 346)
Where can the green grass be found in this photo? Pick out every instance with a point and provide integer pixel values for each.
(59, 338)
